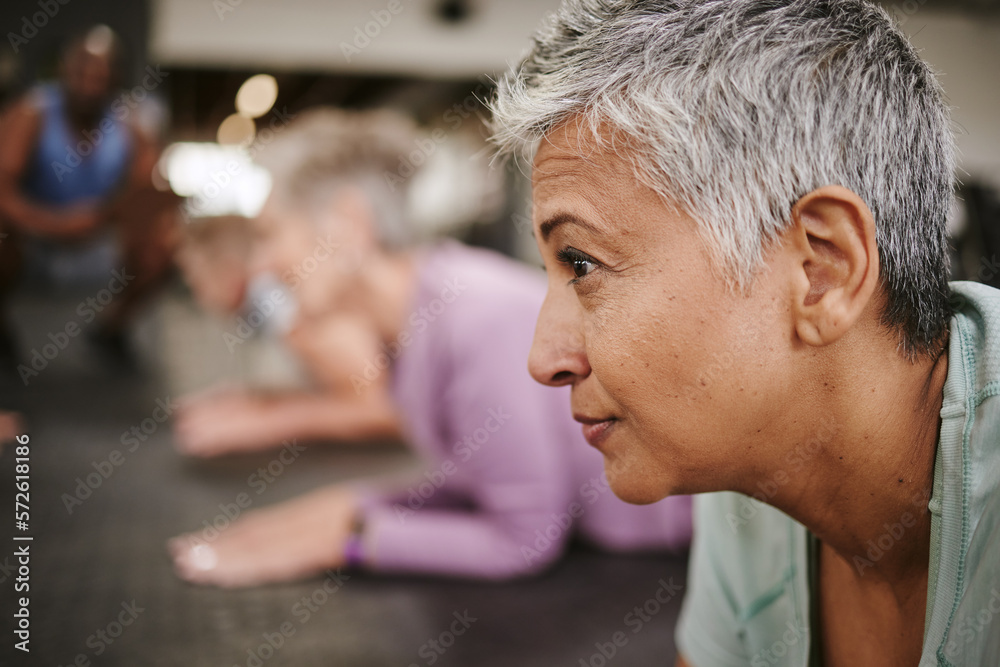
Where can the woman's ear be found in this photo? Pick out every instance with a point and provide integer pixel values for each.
(832, 241)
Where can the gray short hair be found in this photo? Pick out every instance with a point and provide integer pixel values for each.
(324, 148)
(735, 109)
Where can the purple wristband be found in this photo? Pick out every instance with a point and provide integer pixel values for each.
(354, 551)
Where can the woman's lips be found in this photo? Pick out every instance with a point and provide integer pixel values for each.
(595, 431)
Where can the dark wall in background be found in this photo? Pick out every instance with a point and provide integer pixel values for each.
(21, 63)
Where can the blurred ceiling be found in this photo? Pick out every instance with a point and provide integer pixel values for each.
(441, 39)
(444, 39)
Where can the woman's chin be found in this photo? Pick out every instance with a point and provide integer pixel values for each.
(634, 487)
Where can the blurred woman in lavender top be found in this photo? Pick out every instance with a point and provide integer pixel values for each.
(509, 477)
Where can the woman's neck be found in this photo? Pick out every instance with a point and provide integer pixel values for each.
(868, 469)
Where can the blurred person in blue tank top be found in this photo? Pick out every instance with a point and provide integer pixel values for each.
(75, 169)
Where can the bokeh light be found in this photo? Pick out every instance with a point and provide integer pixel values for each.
(236, 130)
(217, 180)
(256, 96)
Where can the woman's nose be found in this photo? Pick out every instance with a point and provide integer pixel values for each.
(558, 353)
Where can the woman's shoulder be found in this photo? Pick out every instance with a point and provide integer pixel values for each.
(975, 333)
(966, 504)
(971, 406)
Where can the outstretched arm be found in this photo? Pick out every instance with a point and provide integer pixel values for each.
(334, 350)
(462, 543)
(240, 421)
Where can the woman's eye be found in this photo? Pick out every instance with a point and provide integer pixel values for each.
(580, 263)
(582, 267)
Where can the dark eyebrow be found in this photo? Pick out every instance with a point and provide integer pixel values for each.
(550, 225)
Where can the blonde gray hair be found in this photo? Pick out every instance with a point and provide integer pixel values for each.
(325, 148)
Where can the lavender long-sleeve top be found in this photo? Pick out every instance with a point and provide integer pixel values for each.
(509, 476)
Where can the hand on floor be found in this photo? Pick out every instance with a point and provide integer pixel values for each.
(293, 540)
(224, 422)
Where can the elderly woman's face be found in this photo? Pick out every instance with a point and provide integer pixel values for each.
(309, 256)
(676, 378)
